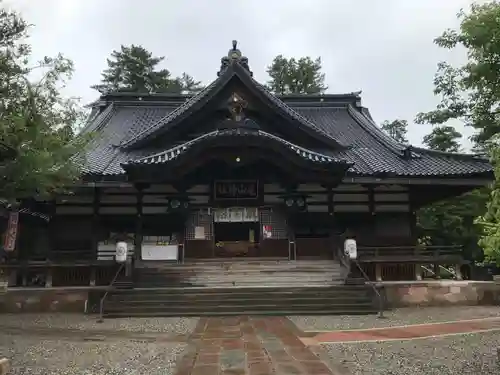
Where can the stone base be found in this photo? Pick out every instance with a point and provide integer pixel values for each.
(440, 293)
(43, 300)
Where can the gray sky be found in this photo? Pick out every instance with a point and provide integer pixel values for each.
(382, 47)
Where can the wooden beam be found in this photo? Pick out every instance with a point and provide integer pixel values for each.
(473, 182)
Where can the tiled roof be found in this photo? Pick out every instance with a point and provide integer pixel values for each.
(368, 148)
(175, 152)
(197, 101)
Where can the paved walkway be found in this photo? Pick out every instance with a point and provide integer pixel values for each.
(249, 345)
(273, 345)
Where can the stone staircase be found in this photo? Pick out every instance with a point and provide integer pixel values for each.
(236, 287)
(240, 273)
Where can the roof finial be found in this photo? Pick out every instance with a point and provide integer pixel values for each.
(234, 56)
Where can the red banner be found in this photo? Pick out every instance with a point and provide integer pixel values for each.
(11, 232)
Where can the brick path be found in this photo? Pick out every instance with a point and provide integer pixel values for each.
(249, 346)
(273, 345)
(409, 332)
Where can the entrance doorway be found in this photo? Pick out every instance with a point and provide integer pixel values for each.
(236, 232)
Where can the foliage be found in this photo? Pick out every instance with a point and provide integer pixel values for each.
(470, 93)
(396, 129)
(36, 122)
(451, 221)
(134, 69)
(490, 221)
(443, 138)
(296, 76)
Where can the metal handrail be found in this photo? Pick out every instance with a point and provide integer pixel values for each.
(101, 304)
(379, 296)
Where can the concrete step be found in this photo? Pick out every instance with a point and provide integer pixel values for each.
(208, 301)
(262, 280)
(340, 299)
(237, 307)
(222, 283)
(275, 312)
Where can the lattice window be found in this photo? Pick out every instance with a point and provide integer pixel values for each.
(277, 221)
(199, 219)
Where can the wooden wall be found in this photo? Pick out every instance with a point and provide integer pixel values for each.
(377, 214)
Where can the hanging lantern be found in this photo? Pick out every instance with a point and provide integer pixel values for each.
(121, 252)
(178, 204)
(295, 202)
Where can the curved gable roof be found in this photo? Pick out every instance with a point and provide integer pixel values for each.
(199, 100)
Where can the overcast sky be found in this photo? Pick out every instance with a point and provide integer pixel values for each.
(382, 47)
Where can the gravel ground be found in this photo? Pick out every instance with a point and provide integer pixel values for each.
(471, 354)
(53, 357)
(397, 317)
(89, 323)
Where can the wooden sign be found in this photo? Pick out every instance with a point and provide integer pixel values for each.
(236, 215)
(11, 232)
(236, 190)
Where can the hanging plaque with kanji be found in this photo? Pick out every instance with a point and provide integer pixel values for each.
(9, 244)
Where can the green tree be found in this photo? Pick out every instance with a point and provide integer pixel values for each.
(37, 124)
(471, 92)
(135, 69)
(443, 138)
(188, 84)
(296, 76)
(396, 129)
(451, 221)
(490, 221)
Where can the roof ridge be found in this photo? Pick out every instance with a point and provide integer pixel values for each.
(453, 154)
(374, 130)
(99, 119)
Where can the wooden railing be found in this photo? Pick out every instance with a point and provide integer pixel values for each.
(410, 254)
(60, 268)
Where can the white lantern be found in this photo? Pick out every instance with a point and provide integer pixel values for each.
(121, 252)
(351, 248)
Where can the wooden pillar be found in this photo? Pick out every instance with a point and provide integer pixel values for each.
(138, 224)
(378, 272)
(93, 276)
(48, 278)
(458, 272)
(291, 225)
(436, 271)
(418, 271)
(292, 253)
(412, 217)
(371, 199)
(96, 222)
(51, 231)
(330, 201)
(331, 217)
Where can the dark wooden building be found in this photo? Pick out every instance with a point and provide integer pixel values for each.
(236, 171)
